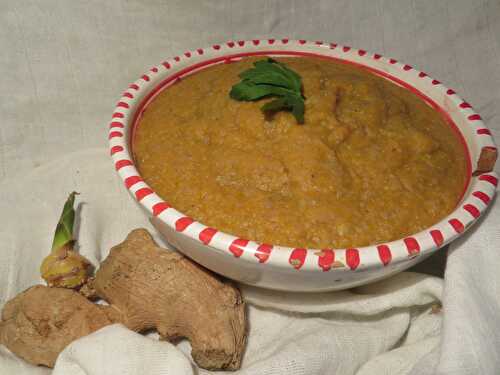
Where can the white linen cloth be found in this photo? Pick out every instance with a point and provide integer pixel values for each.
(63, 64)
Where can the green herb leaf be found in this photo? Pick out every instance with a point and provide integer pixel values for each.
(64, 229)
(245, 91)
(275, 105)
(271, 78)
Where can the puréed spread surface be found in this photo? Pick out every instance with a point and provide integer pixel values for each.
(372, 162)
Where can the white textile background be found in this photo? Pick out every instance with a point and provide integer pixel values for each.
(63, 65)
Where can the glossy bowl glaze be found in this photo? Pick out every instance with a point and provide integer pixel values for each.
(299, 269)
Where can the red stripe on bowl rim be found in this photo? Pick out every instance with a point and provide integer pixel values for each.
(457, 225)
(182, 223)
(326, 257)
(355, 257)
(384, 253)
(116, 124)
(352, 258)
(132, 180)
(123, 163)
(437, 236)
(238, 246)
(115, 149)
(263, 252)
(484, 131)
(482, 196)
(412, 246)
(473, 210)
(122, 105)
(489, 178)
(142, 193)
(159, 207)
(297, 258)
(115, 134)
(207, 234)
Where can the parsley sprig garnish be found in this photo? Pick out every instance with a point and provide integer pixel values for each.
(272, 78)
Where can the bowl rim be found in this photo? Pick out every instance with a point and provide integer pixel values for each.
(478, 194)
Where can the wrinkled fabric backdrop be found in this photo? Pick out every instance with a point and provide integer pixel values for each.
(64, 64)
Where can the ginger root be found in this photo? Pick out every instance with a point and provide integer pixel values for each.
(147, 288)
(64, 267)
(40, 322)
(151, 287)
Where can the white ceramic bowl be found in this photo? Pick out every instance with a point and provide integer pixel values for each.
(298, 269)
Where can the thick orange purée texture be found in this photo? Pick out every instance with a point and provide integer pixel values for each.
(372, 163)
